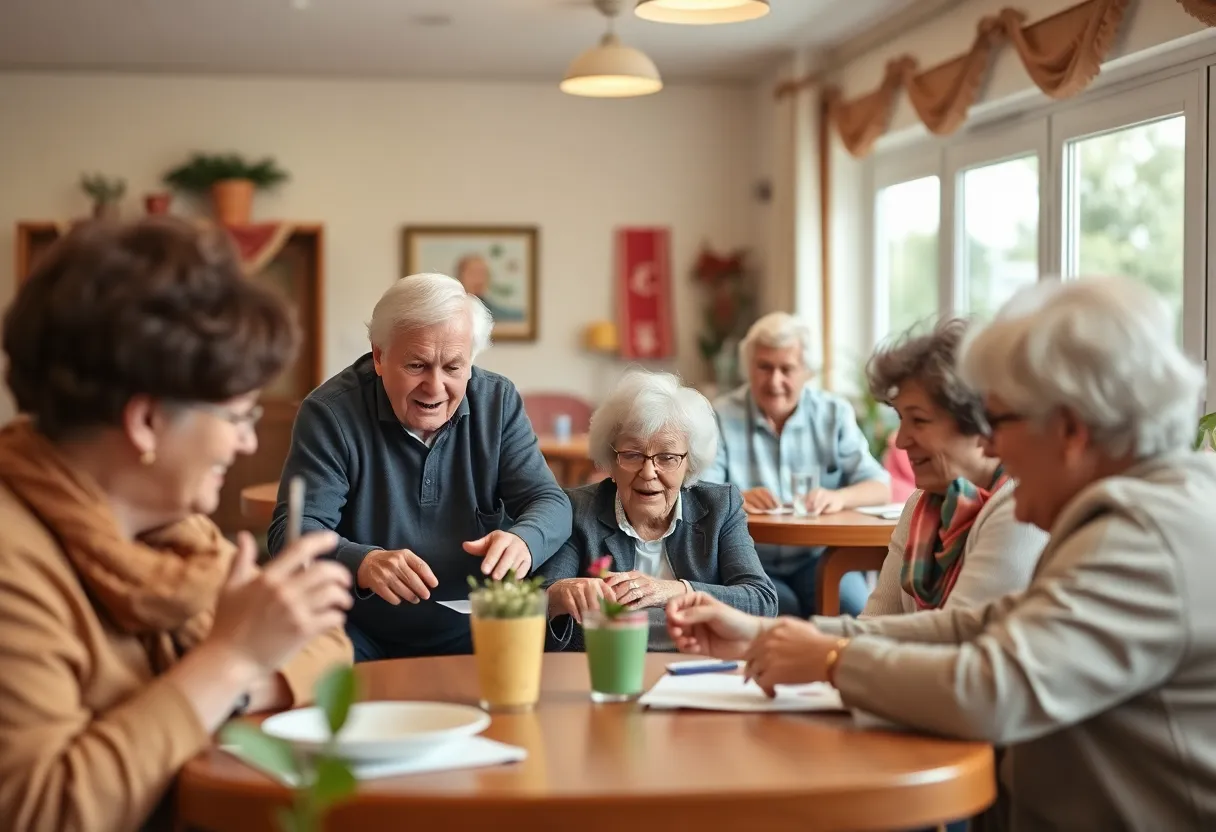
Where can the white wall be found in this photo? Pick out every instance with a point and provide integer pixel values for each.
(368, 157)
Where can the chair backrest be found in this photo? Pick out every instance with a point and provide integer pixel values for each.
(543, 408)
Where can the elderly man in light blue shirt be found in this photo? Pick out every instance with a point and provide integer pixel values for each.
(776, 426)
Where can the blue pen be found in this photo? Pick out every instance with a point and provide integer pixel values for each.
(689, 668)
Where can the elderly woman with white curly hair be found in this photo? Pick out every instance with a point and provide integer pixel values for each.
(667, 533)
(1100, 678)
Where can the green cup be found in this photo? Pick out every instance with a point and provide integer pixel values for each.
(616, 654)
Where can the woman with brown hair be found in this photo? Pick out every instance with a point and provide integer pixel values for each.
(132, 628)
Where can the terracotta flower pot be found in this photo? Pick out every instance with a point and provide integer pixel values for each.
(157, 203)
(105, 210)
(233, 200)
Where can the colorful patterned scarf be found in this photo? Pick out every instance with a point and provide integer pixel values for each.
(937, 536)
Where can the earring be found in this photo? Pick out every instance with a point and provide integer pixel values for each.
(147, 457)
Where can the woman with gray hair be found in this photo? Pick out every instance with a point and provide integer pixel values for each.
(1100, 678)
(957, 544)
(667, 533)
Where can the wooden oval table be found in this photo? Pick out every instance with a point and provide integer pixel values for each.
(613, 767)
(258, 502)
(856, 543)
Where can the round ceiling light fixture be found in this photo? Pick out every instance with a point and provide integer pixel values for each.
(701, 12)
(611, 69)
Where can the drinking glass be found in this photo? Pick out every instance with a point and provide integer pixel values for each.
(802, 484)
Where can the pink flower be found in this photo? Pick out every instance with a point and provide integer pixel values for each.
(599, 566)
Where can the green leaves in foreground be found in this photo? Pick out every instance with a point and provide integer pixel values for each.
(323, 780)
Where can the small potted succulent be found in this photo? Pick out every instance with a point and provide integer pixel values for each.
(105, 192)
(616, 639)
(1205, 434)
(508, 620)
(229, 179)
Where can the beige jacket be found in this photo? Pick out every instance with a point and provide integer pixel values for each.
(1100, 677)
(89, 740)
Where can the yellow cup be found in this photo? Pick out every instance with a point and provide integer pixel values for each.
(509, 653)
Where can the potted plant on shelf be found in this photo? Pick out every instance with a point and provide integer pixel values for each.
(105, 192)
(1205, 434)
(615, 638)
(229, 179)
(508, 619)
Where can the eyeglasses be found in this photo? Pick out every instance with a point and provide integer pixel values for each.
(995, 420)
(634, 460)
(248, 420)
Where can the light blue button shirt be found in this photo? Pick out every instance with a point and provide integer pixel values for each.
(821, 435)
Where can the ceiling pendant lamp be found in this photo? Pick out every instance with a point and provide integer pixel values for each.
(701, 12)
(611, 69)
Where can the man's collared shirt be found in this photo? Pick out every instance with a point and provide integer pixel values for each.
(821, 435)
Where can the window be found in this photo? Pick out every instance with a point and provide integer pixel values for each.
(907, 217)
(1125, 205)
(999, 251)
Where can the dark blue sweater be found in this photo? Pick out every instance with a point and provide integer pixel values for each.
(380, 488)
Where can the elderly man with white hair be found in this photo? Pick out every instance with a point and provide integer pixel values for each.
(776, 426)
(667, 534)
(427, 468)
(1100, 678)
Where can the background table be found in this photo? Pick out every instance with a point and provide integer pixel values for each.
(619, 767)
(258, 501)
(569, 459)
(857, 543)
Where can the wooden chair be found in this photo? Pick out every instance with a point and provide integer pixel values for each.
(834, 564)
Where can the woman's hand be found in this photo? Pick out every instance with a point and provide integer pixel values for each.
(266, 615)
(703, 625)
(575, 596)
(639, 591)
(790, 652)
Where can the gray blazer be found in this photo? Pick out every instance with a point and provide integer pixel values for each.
(710, 548)
(1100, 677)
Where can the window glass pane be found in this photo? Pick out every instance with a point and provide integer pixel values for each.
(1000, 232)
(1127, 203)
(907, 219)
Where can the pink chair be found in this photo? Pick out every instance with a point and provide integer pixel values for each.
(903, 481)
(543, 408)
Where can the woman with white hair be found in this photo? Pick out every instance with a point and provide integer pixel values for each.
(1100, 679)
(667, 533)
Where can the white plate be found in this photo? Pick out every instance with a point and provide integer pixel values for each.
(380, 730)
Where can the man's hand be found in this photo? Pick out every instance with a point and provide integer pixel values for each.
(790, 652)
(500, 553)
(759, 500)
(824, 501)
(396, 576)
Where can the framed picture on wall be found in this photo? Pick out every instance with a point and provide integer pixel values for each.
(498, 264)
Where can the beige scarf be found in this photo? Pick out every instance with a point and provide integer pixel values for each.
(161, 587)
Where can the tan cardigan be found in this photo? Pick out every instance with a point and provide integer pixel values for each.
(1099, 679)
(89, 740)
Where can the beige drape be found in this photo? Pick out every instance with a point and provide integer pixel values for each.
(1062, 55)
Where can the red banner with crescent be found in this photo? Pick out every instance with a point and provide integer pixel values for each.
(643, 273)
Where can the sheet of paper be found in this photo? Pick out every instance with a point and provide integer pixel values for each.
(464, 607)
(891, 511)
(779, 510)
(729, 692)
(469, 752)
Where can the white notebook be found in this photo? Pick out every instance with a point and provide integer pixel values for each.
(729, 692)
(891, 511)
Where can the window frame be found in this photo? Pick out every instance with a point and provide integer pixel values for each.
(990, 145)
(894, 169)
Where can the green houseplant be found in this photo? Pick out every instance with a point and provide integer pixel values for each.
(325, 780)
(105, 193)
(230, 180)
(1205, 433)
(508, 619)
